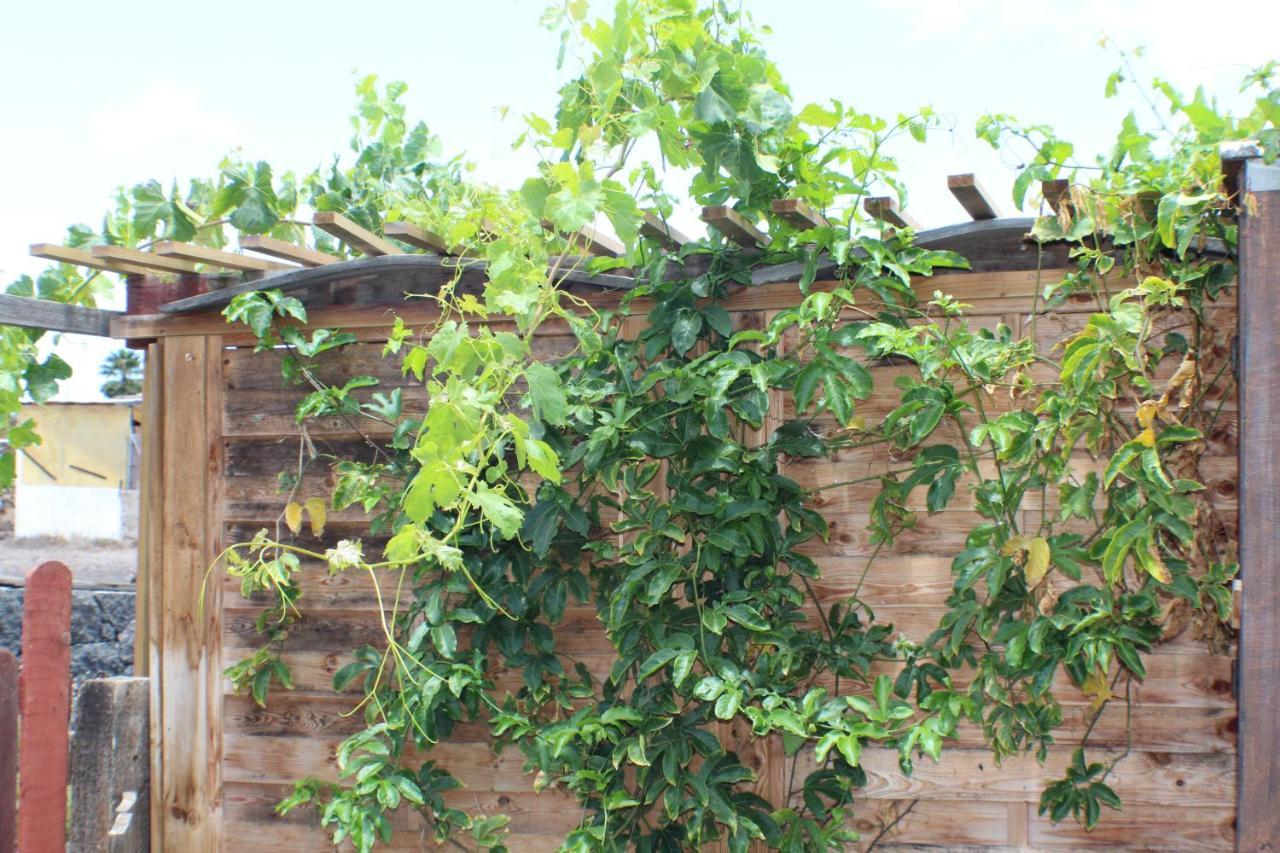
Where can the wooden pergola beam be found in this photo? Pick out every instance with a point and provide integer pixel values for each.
(143, 259)
(733, 225)
(799, 214)
(661, 232)
(1056, 193)
(419, 238)
(79, 257)
(217, 257)
(885, 208)
(972, 197)
(287, 251)
(28, 313)
(354, 235)
(592, 242)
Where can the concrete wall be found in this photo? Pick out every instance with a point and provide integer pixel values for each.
(68, 512)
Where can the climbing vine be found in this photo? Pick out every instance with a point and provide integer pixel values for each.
(639, 478)
(639, 475)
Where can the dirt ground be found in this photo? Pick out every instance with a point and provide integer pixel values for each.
(100, 564)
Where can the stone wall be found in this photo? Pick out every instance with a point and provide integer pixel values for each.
(102, 630)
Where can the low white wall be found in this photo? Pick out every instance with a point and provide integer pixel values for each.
(67, 512)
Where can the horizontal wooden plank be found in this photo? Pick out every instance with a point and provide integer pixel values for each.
(1155, 728)
(1179, 673)
(304, 255)
(971, 195)
(80, 257)
(734, 226)
(798, 214)
(354, 235)
(885, 208)
(217, 257)
(1141, 827)
(28, 313)
(419, 238)
(661, 231)
(538, 821)
(1169, 780)
(142, 259)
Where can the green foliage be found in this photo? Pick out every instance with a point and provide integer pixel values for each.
(123, 369)
(637, 481)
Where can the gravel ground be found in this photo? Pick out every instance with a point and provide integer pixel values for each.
(101, 564)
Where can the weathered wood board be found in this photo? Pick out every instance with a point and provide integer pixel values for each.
(1178, 784)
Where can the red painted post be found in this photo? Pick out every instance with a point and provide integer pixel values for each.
(46, 706)
(8, 751)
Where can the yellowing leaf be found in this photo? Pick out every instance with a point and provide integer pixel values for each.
(1037, 561)
(1147, 437)
(1097, 687)
(1147, 413)
(316, 513)
(1015, 546)
(1154, 565)
(293, 516)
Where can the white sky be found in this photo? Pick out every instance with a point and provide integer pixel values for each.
(99, 94)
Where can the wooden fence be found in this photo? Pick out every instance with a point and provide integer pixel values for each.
(1178, 784)
(107, 758)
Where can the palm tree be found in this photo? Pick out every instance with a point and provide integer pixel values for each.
(123, 369)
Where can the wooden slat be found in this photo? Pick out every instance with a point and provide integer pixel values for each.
(356, 236)
(1056, 192)
(190, 714)
(109, 808)
(79, 257)
(151, 562)
(885, 208)
(1169, 780)
(733, 225)
(1259, 799)
(46, 707)
(662, 232)
(8, 751)
(972, 197)
(421, 238)
(799, 214)
(217, 257)
(591, 241)
(150, 509)
(1139, 827)
(288, 251)
(29, 313)
(142, 259)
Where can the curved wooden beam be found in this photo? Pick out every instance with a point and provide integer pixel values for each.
(366, 268)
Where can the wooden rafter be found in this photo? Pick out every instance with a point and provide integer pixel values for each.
(355, 235)
(28, 313)
(1056, 192)
(655, 228)
(287, 251)
(79, 257)
(217, 257)
(799, 214)
(885, 208)
(972, 197)
(591, 241)
(143, 259)
(733, 225)
(419, 238)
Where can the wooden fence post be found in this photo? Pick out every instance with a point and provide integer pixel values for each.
(110, 801)
(8, 751)
(1258, 788)
(45, 700)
